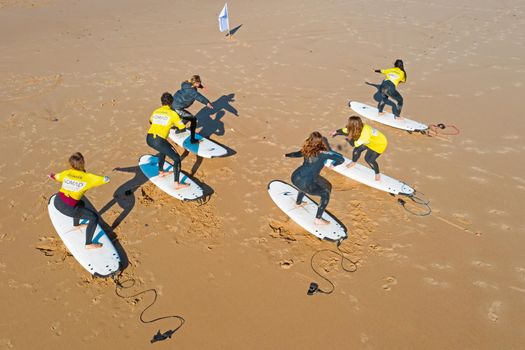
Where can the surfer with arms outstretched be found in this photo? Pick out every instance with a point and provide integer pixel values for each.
(162, 120)
(306, 178)
(388, 88)
(75, 182)
(185, 97)
(363, 137)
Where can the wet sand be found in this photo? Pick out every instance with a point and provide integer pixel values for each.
(84, 76)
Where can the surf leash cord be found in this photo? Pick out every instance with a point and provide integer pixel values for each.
(418, 201)
(314, 287)
(441, 129)
(129, 283)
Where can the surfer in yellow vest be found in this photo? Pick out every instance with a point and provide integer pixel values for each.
(75, 182)
(162, 120)
(363, 137)
(388, 88)
(306, 178)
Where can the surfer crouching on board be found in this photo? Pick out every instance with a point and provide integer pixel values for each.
(75, 182)
(162, 120)
(306, 178)
(185, 97)
(363, 137)
(388, 87)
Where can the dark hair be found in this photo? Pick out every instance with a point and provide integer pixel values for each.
(313, 145)
(166, 99)
(399, 64)
(77, 161)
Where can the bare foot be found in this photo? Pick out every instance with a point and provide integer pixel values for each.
(94, 246)
(321, 221)
(179, 186)
(398, 117)
(378, 177)
(303, 203)
(381, 114)
(350, 165)
(164, 173)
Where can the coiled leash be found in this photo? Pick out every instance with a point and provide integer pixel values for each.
(419, 202)
(129, 283)
(441, 130)
(314, 287)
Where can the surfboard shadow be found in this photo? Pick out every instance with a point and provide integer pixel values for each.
(124, 195)
(234, 30)
(377, 97)
(124, 262)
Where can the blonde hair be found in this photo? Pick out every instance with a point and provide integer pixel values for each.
(354, 127)
(77, 161)
(313, 145)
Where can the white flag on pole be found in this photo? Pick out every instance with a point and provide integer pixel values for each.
(224, 21)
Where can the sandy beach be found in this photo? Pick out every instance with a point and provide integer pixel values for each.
(86, 75)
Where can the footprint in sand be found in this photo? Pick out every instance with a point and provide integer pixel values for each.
(434, 282)
(479, 263)
(495, 311)
(390, 281)
(497, 212)
(483, 284)
(286, 264)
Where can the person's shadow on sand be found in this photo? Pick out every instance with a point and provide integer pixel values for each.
(215, 126)
(378, 97)
(124, 196)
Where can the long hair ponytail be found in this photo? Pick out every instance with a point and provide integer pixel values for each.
(399, 64)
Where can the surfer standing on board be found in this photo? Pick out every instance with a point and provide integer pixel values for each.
(363, 137)
(75, 182)
(185, 97)
(388, 87)
(306, 178)
(162, 120)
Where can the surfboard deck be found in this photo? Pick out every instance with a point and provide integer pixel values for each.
(100, 262)
(149, 166)
(206, 148)
(366, 175)
(284, 195)
(372, 113)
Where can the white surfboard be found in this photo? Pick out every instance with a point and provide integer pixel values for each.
(206, 148)
(149, 166)
(366, 176)
(372, 113)
(101, 262)
(284, 195)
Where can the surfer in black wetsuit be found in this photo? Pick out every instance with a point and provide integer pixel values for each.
(306, 178)
(185, 97)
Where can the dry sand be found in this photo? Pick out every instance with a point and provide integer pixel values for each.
(84, 76)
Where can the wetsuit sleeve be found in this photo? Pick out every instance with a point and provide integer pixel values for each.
(297, 154)
(351, 142)
(199, 97)
(336, 157)
(357, 153)
(341, 132)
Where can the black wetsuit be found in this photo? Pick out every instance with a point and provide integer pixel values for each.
(79, 211)
(307, 179)
(165, 149)
(388, 89)
(183, 99)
